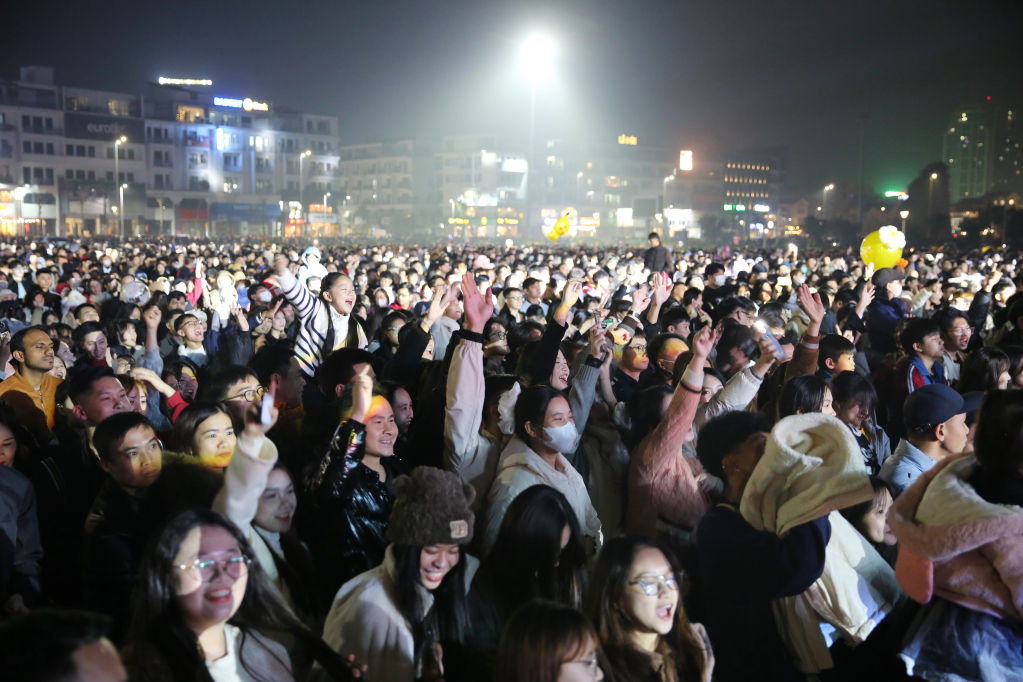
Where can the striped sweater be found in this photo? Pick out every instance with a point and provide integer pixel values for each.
(315, 316)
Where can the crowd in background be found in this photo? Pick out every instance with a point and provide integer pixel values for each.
(253, 461)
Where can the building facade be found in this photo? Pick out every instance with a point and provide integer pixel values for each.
(179, 160)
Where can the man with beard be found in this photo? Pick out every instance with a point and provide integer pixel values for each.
(30, 390)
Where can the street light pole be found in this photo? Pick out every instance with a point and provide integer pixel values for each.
(301, 188)
(930, 192)
(120, 213)
(117, 178)
(824, 204)
(904, 214)
(529, 164)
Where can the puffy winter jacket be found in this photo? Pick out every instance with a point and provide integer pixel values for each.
(883, 314)
(347, 531)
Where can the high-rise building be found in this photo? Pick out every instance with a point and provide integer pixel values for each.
(1006, 152)
(966, 149)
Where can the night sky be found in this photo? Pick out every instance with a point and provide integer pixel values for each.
(696, 75)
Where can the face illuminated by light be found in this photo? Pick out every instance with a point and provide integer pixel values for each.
(8, 446)
(214, 441)
(435, 562)
(136, 460)
(381, 429)
(277, 504)
(654, 613)
(204, 605)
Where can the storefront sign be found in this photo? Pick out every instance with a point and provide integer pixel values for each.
(323, 218)
(256, 213)
(246, 104)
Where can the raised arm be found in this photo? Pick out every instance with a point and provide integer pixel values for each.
(246, 476)
(465, 388)
(296, 293)
(804, 358)
(665, 441)
(541, 365)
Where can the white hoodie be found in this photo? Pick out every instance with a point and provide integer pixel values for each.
(520, 468)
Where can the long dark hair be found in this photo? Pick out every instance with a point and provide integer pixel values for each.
(605, 609)
(527, 560)
(191, 418)
(157, 626)
(645, 408)
(801, 395)
(296, 568)
(538, 638)
(981, 369)
(998, 442)
(448, 618)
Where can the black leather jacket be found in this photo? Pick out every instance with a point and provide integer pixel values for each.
(347, 531)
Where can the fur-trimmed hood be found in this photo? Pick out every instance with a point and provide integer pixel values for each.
(958, 546)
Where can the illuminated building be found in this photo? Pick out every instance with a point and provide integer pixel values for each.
(195, 159)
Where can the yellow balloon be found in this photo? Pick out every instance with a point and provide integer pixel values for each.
(562, 226)
(883, 247)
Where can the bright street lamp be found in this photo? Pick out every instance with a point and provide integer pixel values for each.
(117, 178)
(930, 191)
(664, 191)
(824, 206)
(904, 214)
(537, 63)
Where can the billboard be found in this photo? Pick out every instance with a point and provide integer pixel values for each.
(254, 213)
(97, 127)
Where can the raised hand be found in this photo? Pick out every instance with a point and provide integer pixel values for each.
(254, 428)
(478, 308)
(281, 263)
(769, 354)
(152, 317)
(362, 396)
(811, 305)
(573, 290)
(640, 299)
(662, 288)
(869, 272)
(866, 296)
(239, 315)
(704, 342)
(153, 379)
(441, 300)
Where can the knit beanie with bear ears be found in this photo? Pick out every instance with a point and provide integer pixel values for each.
(431, 507)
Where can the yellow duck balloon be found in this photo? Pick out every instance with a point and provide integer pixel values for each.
(883, 247)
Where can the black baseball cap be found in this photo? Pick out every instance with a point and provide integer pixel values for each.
(883, 276)
(934, 404)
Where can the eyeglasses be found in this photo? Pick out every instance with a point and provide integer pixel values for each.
(250, 395)
(652, 586)
(235, 567)
(960, 331)
(638, 350)
(500, 336)
(593, 664)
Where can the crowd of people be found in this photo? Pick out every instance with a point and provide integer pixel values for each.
(253, 461)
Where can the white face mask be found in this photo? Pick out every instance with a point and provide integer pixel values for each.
(562, 438)
(719, 280)
(264, 296)
(897, 289)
